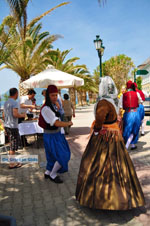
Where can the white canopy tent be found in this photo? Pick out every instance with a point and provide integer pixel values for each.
(52, 76)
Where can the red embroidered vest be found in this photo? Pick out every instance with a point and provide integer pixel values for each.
(130, 100)
(42, 123)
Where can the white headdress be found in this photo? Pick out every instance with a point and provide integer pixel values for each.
(107, 88)
(108, 91)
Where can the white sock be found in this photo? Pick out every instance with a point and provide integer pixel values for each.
(142, 126)
(56, 167)
(133, 145)
(129, 141)
(47, 172)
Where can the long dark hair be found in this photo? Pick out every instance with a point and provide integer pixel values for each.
(49, 104)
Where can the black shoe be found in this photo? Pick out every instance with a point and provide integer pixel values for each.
(133, 148)
(46, 176)
(56, 180)
(142, 134)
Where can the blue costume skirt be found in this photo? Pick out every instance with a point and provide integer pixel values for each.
(131, 125)
(141, 111)
(57, 149)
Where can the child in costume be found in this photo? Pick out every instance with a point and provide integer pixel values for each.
(56, 147)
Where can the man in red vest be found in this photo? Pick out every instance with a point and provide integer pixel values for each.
(131, 117)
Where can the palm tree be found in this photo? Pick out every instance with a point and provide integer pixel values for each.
(5, 39)
(18, 8)
(30, 58)
(89, 86)
(19, 12)
(58, 60)
(30, 53)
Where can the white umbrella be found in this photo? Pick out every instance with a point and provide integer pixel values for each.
(52, 76)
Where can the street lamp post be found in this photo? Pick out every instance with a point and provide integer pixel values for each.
(134, 76)
(100, 49)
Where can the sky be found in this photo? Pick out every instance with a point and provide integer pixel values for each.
(123, 25)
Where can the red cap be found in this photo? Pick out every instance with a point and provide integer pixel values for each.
(135, 84)
(129, 84)
(52, 89)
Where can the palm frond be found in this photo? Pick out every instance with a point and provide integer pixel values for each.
(35, 20)
(102, 1)
(18, 8)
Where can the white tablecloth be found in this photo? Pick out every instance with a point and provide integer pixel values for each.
(27, 128)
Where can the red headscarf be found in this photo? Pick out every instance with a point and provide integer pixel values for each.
(129, 84)
(135, 84)
(52, 89)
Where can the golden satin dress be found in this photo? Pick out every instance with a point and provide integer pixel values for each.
(107, 178)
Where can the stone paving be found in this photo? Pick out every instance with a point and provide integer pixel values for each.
(34, 201)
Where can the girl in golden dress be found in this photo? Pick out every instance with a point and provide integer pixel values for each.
(107, 178)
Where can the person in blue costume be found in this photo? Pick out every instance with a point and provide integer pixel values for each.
(131, 118)
(56, 147)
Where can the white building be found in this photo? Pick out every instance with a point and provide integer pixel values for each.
(145, 78)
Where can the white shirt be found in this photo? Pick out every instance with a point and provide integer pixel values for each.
(24, 100)
(48, 115)
(145, 94)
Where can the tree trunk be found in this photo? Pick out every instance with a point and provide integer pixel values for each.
(22, 91)
(84, 98)
(72, 96)
(90, 97)
(95, 97)
(81, 98)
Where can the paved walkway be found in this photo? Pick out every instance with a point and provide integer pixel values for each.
(34, 201)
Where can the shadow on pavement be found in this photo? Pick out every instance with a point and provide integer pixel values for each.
(86, 216)
(78, 139)
(77, 131)
(40, 202)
